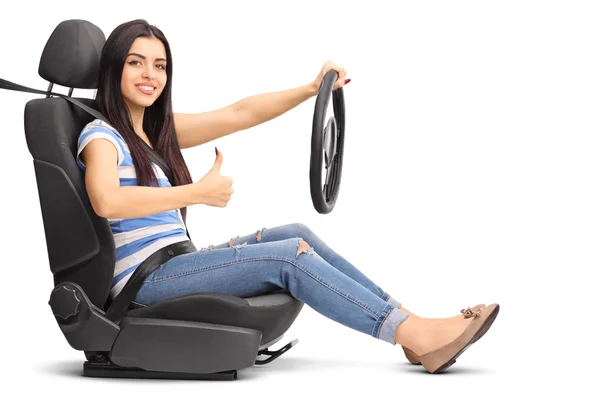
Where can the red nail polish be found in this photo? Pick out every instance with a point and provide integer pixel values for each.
(347, 81)
(216, 151)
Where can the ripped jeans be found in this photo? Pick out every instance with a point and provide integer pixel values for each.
(270, 260)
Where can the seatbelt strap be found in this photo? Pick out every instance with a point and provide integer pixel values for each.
(154, 156)
(118, 308)
(4, 84)
(158, 160)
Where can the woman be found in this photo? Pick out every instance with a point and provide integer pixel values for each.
(146, 214)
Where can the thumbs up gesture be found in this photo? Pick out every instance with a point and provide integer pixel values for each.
(216, 188)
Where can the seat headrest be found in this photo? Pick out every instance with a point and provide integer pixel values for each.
(71, 57)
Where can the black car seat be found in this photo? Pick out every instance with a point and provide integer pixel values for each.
(201, 336)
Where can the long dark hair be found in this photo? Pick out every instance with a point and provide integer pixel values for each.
(158, 118)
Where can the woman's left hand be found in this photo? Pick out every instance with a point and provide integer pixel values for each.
(329, 65)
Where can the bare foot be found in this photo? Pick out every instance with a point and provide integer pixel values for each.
(422, 335)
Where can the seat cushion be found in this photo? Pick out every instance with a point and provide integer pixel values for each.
(271, 313)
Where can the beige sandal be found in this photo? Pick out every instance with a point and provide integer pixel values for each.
(438, 360)
(413, 358)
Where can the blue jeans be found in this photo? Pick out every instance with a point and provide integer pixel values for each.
(267, 261)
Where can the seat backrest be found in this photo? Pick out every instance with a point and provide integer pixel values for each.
(80, 244)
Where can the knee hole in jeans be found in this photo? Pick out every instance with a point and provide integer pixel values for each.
(302, 247)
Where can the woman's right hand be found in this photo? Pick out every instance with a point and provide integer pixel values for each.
(215, 188)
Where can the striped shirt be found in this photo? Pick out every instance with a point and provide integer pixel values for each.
(135, 238)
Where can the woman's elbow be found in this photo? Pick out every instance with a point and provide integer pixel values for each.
(102, 206)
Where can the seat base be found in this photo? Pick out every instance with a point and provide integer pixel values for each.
(106, 369)
(98, 366)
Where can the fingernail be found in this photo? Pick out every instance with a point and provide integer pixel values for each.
(347, 81)
(216, 151)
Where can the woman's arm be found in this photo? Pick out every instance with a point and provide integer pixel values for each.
(110, 200)
(195, 129)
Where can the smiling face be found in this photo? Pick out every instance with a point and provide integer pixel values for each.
(144, 73)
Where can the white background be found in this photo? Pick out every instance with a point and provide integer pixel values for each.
(471, 174)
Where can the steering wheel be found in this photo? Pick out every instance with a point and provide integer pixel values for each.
(327, 145)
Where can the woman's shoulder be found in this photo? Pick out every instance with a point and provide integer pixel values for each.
(99, 129)
(100, 126)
